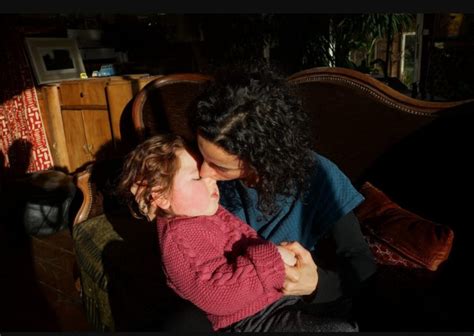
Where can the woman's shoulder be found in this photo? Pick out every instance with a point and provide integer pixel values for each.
(326, 169)
(322, 161)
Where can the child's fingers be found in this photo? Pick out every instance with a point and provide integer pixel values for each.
(299, 251)
(285, 245)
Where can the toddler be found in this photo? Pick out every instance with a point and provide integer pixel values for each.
(210, 257)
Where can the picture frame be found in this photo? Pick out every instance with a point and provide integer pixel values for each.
(54, 59)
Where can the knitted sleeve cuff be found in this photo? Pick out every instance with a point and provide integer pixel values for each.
(268, 264)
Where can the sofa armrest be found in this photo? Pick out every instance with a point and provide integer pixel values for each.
(82, 182)
(96, 182)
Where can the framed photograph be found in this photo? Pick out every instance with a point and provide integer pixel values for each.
(54, 59)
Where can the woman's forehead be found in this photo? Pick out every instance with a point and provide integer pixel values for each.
(214, 153)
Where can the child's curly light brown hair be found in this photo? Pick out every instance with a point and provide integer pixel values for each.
(153, 165)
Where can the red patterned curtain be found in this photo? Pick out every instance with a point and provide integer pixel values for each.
(23, 142)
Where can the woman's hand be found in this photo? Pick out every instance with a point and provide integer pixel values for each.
(148, 211)
(301, 279)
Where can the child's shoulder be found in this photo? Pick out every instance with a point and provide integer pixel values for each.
(225, 215)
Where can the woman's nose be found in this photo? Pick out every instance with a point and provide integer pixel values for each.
(207, 171)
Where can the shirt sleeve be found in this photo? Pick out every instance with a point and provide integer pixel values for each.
(221, 282)
(331, 197)
(354, 262)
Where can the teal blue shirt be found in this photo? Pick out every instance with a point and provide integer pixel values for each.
(330, 197)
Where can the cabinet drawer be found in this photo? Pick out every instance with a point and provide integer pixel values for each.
(90, 93)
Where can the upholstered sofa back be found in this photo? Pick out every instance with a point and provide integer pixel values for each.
(355, 118)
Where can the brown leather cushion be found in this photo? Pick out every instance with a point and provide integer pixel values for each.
(398, 236)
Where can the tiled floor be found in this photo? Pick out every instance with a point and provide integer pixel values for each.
(31, 297)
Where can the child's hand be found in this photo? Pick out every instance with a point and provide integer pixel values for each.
(287, 256)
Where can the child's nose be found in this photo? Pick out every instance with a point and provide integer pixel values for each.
(209, 181)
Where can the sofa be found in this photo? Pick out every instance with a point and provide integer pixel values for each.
(386, 143)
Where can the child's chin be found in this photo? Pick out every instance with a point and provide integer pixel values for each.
(212, 211)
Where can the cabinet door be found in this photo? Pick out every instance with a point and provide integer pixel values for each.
(119, 94)
(76, 141)
(97, 131)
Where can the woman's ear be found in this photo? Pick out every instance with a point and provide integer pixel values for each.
(160, 201)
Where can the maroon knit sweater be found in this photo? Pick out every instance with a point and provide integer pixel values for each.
(221, 265)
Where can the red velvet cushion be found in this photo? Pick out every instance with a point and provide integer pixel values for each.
(398, 236)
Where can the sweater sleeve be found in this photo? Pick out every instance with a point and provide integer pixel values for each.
(217, 281)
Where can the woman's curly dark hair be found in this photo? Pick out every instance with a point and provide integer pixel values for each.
(255, 116)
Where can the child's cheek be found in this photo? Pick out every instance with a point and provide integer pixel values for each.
(192, 201)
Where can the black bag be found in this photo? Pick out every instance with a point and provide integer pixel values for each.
(46, 197)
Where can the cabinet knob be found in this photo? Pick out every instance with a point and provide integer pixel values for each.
(81, 94)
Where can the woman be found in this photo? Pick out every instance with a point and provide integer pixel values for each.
(209, 256)
(253, 136)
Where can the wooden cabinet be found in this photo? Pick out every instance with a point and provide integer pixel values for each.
(83, 116)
